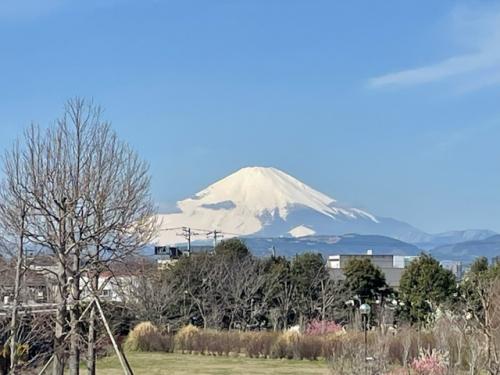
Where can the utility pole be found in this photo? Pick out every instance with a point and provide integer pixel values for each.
(215, 234)
(215, 238)
(187, 233)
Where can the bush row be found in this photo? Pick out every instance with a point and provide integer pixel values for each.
(290, 345)
(442, 350)
(396, 349)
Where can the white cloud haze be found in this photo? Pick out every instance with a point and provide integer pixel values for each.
(478, 31)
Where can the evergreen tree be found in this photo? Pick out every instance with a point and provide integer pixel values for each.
(479, 266)
(232, 249)
(425, 285)
(364, 279)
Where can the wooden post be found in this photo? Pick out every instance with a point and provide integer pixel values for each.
(127, 370)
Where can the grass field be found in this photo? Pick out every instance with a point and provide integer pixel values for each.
(179, 364)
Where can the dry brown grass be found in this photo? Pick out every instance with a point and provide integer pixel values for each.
(146, 337)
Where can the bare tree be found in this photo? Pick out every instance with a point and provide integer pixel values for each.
(152, 296)
(117, 195)
(243, 292)
(485, 317)
(87, 202)
(476, 349)
(13, 213)
(201, 278)
(281, 292)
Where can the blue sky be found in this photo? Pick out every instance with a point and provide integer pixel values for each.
(391, 106)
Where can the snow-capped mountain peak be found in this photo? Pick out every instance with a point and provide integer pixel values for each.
(259, 199)
(269, 203)
(265, 190)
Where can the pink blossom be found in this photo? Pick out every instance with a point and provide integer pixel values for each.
(430, 363)
(322, 327)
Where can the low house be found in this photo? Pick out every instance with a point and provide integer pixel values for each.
(36, 288)
(118, 282)
(166, 256)
(112, 286)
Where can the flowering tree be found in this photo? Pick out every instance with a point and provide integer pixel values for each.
(430, 362)
(322, 327)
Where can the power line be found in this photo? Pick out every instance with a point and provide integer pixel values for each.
(207, 231)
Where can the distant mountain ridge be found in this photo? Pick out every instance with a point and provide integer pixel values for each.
(268, 203)
(328, 245)
(469, 250)
(452, 237)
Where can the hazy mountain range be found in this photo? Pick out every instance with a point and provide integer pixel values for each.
(468, 250)
(328, 245)
(265, 203)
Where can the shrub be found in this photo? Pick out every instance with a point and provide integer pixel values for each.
(322, 327)
(286, 345)
(200, 342)
(310, 347)
(187, 339)
(214, 342)
(146, 337)
(233, 343)
(229, 342)
(280, 349)
(405, 345)
(396, 349)
(430, 362)
(331, 344)
(347, 359)
(260, 344)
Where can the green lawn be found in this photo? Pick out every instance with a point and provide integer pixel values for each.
(179, 364)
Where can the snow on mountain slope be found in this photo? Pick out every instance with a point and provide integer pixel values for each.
(264, 190)
(268, 202)
(301, 231)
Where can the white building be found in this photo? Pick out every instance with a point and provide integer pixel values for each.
(115, 288)
(392, 266)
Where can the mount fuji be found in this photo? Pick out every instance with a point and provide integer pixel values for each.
(267, 202)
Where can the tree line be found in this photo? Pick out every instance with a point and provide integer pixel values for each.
(232, 289)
